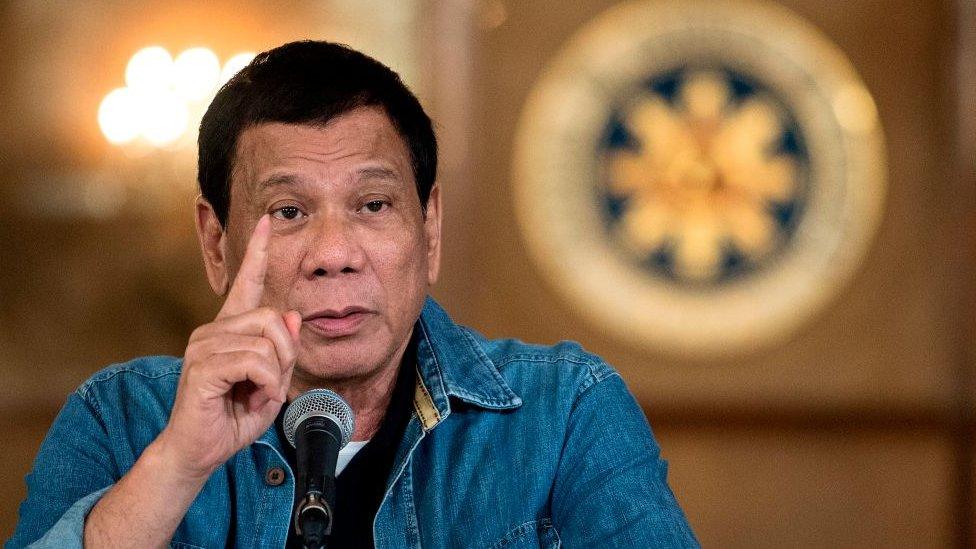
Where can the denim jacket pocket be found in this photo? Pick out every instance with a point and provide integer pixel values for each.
(537, 533)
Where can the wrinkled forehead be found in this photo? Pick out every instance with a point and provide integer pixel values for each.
(360, 141)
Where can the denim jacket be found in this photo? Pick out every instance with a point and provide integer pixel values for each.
(510, 445)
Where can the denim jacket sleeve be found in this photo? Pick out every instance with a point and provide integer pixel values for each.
(73, 469)
(612, 490)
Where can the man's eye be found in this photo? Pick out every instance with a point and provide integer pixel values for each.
(287, 213)
(374, 206)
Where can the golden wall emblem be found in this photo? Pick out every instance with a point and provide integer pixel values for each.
(699, 177)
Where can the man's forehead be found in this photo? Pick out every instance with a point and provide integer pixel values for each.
(275, 153)
(362, 128)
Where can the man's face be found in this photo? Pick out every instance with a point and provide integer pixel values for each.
(350, 249)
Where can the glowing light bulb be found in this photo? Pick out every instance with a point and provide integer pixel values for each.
(150, 68)
(196, 72)
(164, 117)
(118, 116)
(234, 65)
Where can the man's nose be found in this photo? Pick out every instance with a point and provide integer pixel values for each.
(332, 248)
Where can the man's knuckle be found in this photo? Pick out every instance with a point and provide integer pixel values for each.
(267, 347)
(258, 359)
(200, 332)
(192, 374)
(290, 355)
(190, 358)
(270, 314)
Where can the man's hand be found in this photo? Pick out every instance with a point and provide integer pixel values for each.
(236, 371)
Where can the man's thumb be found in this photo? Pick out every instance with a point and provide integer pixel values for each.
(293, 321)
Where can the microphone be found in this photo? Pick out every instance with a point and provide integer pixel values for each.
(317, 424)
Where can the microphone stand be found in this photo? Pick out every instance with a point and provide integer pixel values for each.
(317, 443)
(313, 521)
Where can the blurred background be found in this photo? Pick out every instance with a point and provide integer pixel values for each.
(841, 417)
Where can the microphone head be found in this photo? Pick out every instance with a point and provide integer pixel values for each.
(319, 403)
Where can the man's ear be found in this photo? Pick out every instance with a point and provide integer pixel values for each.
(432, 228)
(213, 243)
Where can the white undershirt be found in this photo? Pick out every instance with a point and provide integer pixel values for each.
(346, 454)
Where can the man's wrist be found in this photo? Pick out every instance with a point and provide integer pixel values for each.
(165, 457)
(146, 505)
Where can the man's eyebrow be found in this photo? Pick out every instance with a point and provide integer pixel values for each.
(378, 172)
(277, 180)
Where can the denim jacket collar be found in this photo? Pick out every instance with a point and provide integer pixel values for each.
(450, 363)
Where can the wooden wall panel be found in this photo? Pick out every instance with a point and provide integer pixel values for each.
(759, 488)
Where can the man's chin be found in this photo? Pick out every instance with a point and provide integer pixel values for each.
(342, 363)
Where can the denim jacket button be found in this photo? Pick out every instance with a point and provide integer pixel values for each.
(275, 476)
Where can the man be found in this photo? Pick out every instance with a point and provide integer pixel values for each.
(320, 221)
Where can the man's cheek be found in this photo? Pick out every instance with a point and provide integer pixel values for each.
(278, 280)
(284, 255)
(402, 249)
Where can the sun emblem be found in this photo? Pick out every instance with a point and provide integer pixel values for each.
(708, 179)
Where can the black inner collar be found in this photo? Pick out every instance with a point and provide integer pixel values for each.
(362, 484)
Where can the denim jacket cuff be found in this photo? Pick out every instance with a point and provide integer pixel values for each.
(69, 530)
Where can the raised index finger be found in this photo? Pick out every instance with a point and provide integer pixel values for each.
(248, 287)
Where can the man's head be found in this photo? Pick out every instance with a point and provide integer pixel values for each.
(308, 83)
(343, 157)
